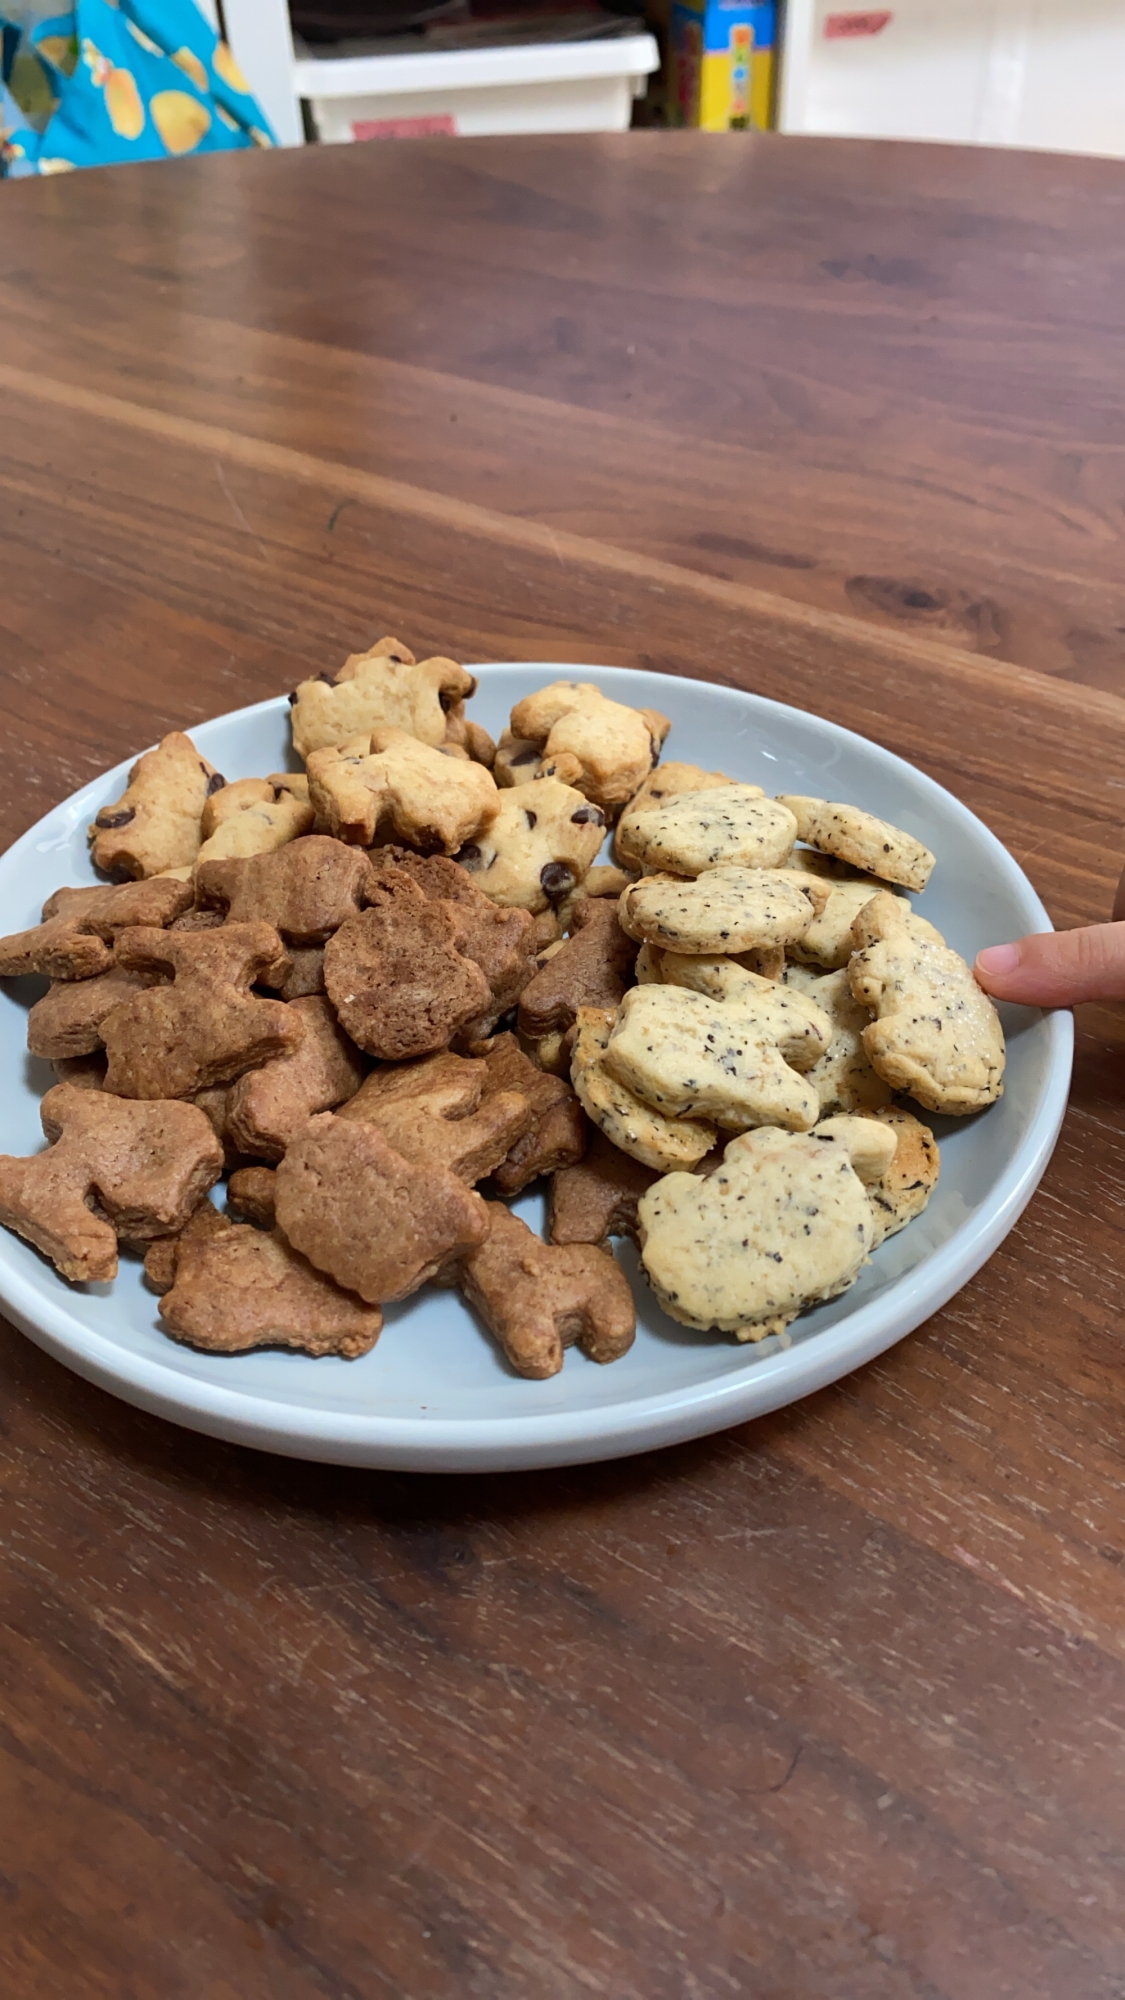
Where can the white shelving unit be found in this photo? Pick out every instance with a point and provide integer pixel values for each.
(1039, 73)
(541, 87)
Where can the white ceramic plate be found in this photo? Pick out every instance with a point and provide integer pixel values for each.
(435, 1395)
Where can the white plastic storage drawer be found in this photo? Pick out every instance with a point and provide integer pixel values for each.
(546, 87)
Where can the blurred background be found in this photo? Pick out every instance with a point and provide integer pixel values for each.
(1034, 73)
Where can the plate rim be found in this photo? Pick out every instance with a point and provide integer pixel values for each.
(539, 1439)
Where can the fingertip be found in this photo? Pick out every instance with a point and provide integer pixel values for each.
(997, 960)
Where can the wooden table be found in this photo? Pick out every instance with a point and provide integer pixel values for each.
(829, 1706)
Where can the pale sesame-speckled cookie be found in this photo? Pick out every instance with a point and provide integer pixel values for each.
(727, 910)
(156, 824)
(782, 1224)
(645, 1134)
(608, 747)
(537, 848)
(828, 941)
(383, 688)
(843, 1078)
(859, 837)
(390, 780)
(792, 1019)
(727, 826)
(667, 781)
(935, 1033)
(906, 1184)
(688, 1056)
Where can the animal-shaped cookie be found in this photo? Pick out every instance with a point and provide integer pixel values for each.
(113, 1169)
(67, 1021)
(398, 977)
(650, 1136)
(269, 1104)
(727, 910)
(251, 816)
(538, 848)
(667, 781)
(609, 748)
(843, 1078)
(861, 838)
(389, 781)
(597, 1198)
(935, 1033)
(375, 1222)
(206, 1027)
(234, 1288)
(156, 824)
(782, 1224)
(592, 968)
(499, 940)
(305, 890)
(828, 941)
(75, 938)
(251, 1195)
(903, 1189)
(441, 1112)
(725, 826)
(538, 1299)
(382, 688)
(790, 1017)
(688, 1056)
(556, 1135)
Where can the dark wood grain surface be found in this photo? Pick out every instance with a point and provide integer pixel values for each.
(832, 1705)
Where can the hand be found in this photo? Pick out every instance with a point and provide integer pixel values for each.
(1057, 969)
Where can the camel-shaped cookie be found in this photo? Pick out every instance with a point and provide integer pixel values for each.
(75, 938)
(269, 1104)
(114, 1170)
(206, 1027)
(305, 890)
(731, 1062)
(935, 1033)
(537, 1298)
(440, 1112)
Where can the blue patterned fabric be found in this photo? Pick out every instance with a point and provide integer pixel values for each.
(116, 80)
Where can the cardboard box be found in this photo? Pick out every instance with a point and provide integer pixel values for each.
(723, 55)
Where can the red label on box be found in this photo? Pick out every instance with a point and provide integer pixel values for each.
(440, 127)
(838, 27)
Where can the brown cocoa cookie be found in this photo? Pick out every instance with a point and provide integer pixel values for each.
(537, 1299)
(206, 1027)
(237, 1288)
(113, 1169)
(591, 968)
(84, 1072)
(500, 941)
(390, 782)
(375, 1222)
(398, 977)
(67, 1021)
(556, 1136)
(432, 1113)
(305, 890)
(156, 823)
(79, 925)
(305, 974)
(597, 1198)
(268, 1105)
(215, 1104)
(252, 1194)
(162, 1252)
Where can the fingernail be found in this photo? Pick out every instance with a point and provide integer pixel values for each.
(999, 958)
